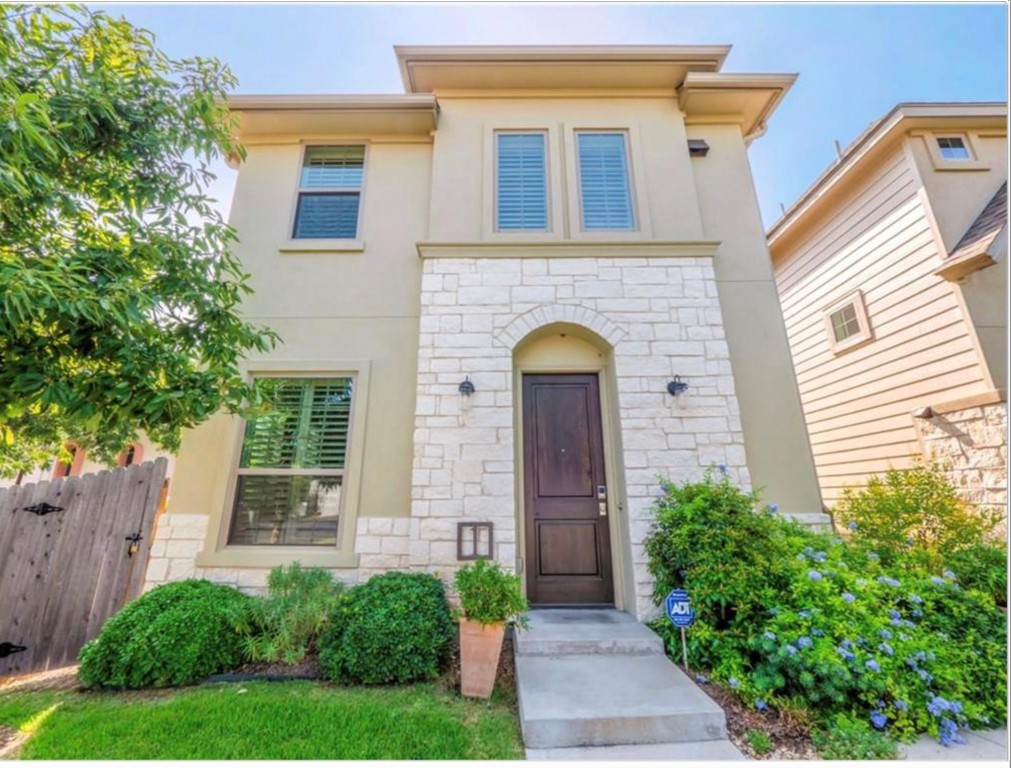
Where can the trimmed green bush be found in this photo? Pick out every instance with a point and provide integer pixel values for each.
(982, 567)
(286, 623)
(848, 739)
(489, 595)
(395, 628)
(176, 634)
(802, 620)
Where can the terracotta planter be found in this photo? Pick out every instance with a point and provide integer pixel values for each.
(480, 648)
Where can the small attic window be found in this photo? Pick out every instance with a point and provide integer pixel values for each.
(847, 324)
(953, 148)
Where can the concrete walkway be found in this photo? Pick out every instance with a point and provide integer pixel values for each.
(979, 745)
(596, 685)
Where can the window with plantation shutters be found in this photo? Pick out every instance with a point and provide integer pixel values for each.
(604, 181)
(521, 181)
(291, 468)
(329, 196)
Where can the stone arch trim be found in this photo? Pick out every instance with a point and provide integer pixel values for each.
(546, 314)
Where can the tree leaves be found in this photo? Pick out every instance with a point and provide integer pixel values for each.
(121, 297)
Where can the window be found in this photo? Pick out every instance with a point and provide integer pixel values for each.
(847, 324)
(604, 181)
(130, 456)
(291, 468)
(952, 148)
(521, 181)
(329, 192)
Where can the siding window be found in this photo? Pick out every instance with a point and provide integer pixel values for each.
(604, 181)
(521, 182)
(329, 192)
(291, 468)
(847, 324)
(952, 148)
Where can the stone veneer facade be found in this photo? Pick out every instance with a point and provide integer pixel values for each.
(972, 442)
(659, 316)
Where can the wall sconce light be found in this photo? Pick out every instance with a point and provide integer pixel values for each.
(697, 148)
(924, 413)
(676, 387)
(467, 387)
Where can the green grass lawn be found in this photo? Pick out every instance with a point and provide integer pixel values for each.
(261, 720)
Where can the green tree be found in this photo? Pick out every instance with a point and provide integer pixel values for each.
(120, 300)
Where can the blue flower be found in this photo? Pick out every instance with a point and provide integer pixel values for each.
(947, 733)
(804, 614)
(734, 683)
(894, 614)
(846, 654)
(901, 705)
(821, 557)
(888, 581)
(852, 525)
(861, 642)
(774, 507)
(846, 644)
(873, 556)
(911, 663)
(921, 655)
(722, 468)
(948, 574)
(873, 666)
(886, 649)
(804, 642)
(789, 649)
(937, 580)
(878, 720)
(814, 575)
(773, 612)
(916, 599)
(700, 678)
(917, 613)
(884, 634)
(761, 706)
(848, 597)
(903, 636)
(926, 677)
(817, 633)
(769, 635)
(938, 705)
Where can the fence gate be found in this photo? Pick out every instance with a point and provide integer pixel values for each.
(72, 552)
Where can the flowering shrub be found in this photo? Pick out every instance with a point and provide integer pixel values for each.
(815, 622)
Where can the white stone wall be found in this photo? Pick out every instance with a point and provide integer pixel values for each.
(661, 316)
(973, 443)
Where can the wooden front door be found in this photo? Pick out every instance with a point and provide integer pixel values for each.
(568, 547)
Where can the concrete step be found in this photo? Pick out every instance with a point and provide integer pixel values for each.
(721, 749)
(605, 699)
(561, 631)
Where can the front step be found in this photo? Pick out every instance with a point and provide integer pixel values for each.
(605, 699)
(579, 631)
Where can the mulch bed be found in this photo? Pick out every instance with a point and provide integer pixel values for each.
(791, 739)
(307, 669)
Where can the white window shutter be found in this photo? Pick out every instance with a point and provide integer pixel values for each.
(521, 177)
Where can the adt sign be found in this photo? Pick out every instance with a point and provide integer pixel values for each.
(679, 609)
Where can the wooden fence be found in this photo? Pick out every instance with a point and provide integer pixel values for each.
(72, 552)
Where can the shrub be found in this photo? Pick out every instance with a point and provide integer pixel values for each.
(759, 741)
(489, 595)
(285, 625)
(915, 512)
(830, 627)
(176, 634)
(849, 739)
(395, 628)
(982, 567)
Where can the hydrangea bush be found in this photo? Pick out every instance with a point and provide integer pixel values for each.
(808, 620)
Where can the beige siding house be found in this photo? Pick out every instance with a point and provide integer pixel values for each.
(510, 299)
(892, 274)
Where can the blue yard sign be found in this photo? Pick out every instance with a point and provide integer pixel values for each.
(679, 609)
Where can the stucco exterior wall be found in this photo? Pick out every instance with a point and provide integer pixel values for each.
(656, 316)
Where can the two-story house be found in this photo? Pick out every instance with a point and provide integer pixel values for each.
(510, 299)
(892, 273)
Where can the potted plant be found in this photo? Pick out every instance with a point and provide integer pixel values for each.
(490, 599)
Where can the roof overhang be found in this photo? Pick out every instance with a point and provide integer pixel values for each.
(745, 99)
(875, 142)
(315, 115)
(464, 69)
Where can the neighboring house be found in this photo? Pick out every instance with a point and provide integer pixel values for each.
(487, 289)
(892, 274)
(81, 463)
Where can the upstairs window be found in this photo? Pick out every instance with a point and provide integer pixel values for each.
(952, 148)
(847, 324)
(291, 468)
(329, 192)
(521, 182)
(604, 181)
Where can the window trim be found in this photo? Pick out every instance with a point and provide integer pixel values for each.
(292, 244)
(543, 132)
(865, 333)
(636, 184)
(218, 552)
(941, 163)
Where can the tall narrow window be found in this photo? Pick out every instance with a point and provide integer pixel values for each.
(521, 182)
(291, 469)
(604, 181)
(329, 194)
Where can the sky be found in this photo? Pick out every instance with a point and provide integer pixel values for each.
(855, 61)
